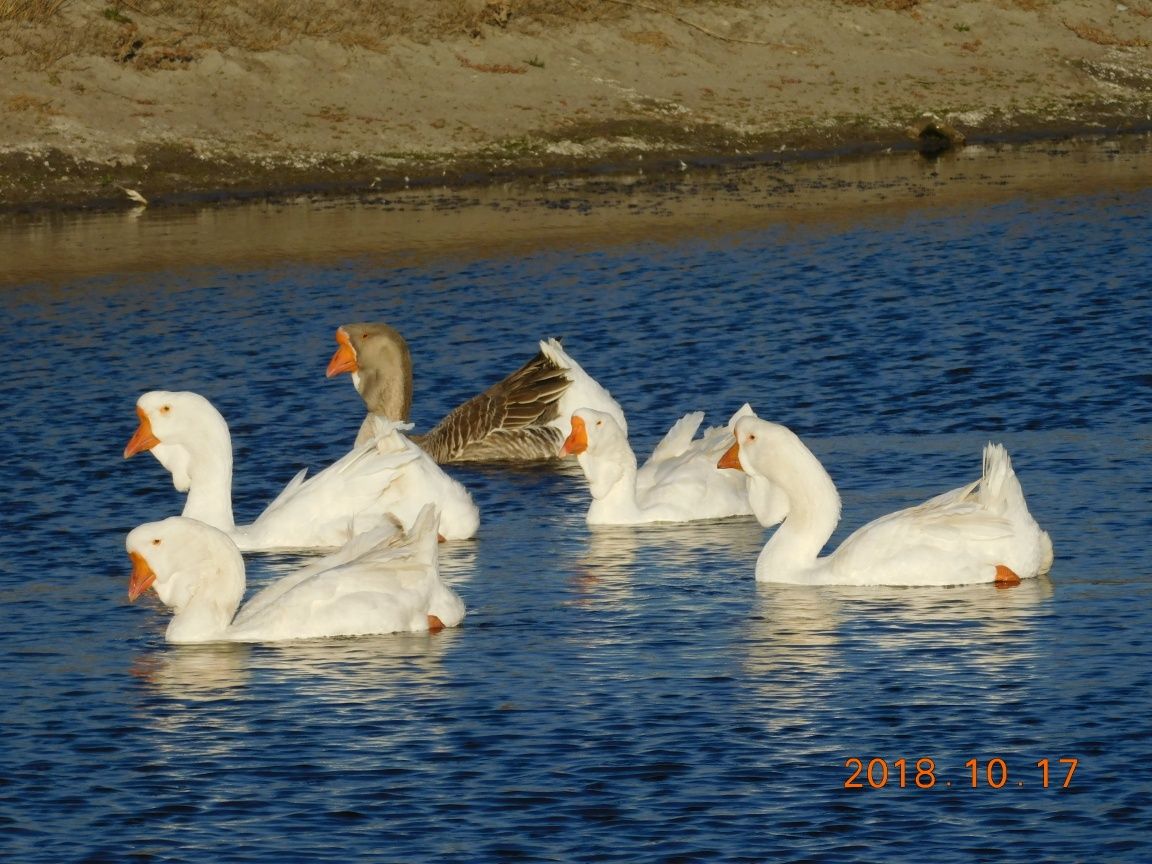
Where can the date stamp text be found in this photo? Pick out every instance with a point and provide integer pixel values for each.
(922, 773)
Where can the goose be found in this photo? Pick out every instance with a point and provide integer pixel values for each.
(678, 483)
(981, 532)
(523, 418)
(419, 481)
(190, 438)
(382, 582)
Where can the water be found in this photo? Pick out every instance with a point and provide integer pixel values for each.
(613, 695)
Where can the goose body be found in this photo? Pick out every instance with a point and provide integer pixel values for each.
(381, 583)
(981, 532)
(418, 480)
(678, 483)
(187, 435)
(523, 418)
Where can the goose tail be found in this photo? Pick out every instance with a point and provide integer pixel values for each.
(584, 391)
(445, 608)
(1001, 493)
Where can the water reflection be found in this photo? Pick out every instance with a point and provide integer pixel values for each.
(790, 653)
(196, 672)
(615, 555)
(386, 667)
(604, 570)
(889, 618)
(405, 226)
(800, 641)
(391, 661)
(457, 561)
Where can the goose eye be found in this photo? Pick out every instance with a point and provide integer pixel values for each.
(599, 422)
(156, 541)
(164, 409)
(752, 437)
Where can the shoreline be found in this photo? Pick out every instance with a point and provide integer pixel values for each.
(522, 217)
(532, 95)
(63, 183)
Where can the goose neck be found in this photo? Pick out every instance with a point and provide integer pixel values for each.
(813, 511)
(211, 606)
(210, 490)
(611, 475)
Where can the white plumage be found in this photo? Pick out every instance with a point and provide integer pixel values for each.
(981, 532)
(190, 438)
(382, 582)
(679, 482)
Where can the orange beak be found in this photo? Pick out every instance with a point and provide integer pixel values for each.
(577, 440)
(142, 576)
(731, 457)
(143, 439)
(344, 360)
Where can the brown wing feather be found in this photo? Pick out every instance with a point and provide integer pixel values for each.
(506, 421)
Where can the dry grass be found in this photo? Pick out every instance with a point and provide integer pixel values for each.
(160, 34)
(166, 34)
(249, 23)
(24, 102)
(1102, 37)
(29, 11)
(267, 24)
(650, 38)
(893, 5)
(498, 69)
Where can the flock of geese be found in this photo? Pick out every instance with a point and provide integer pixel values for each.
(386, 505)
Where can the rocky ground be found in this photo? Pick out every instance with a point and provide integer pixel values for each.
(216, 101)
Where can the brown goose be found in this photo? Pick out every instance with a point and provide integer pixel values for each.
(524, 418)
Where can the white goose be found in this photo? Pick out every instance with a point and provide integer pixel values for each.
(384, 583)
(190, 438)
(679, 483)
(419, 481)
(523, 418)
(981, 532)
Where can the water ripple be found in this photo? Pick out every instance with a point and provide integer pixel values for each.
(613, 695)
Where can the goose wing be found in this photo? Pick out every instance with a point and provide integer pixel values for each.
(506, 421)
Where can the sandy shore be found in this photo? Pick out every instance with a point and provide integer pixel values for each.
(166, 106)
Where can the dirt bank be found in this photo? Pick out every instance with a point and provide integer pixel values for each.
(235, 102)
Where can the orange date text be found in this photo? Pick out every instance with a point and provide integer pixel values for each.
(923, 773)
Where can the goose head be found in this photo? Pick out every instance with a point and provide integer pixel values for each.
(786, 477)
(593, 432)
(178, 418)
(175, 425)
(378, 358)
(182, 560)
(761, 448)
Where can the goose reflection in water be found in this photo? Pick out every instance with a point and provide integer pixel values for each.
(615, 555)
(807, 649)
(196, 673)
(377, 667)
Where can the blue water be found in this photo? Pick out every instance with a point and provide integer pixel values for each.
(622, 695)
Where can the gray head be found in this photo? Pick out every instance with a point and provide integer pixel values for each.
(381, 366)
